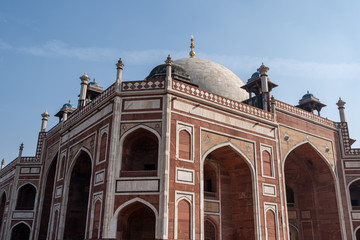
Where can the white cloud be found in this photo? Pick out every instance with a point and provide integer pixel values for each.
(59, 48)
(241, 65)
(4, 45)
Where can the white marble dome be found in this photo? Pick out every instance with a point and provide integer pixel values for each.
(213, 77)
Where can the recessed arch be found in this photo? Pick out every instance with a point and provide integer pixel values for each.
(233, 147)
(118, 164)
(20, 231)
(3, 200)
(210, 229)
(140, 150)
(293, 232)
(114, 219)
(76, 198)
(235, 167)
(26, 196)
(48, 189)
(329, 165)
(315, 191)
(183, 222)
(354, 192)
(271, 229)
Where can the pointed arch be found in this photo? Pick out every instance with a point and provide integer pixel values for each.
(129, 132)
(46, 198)
(74, 159)
(233, 147)
(114, 218)
(3, 200)
(135, 144)
(79, 184)
(328, 163)
(183, 222)
(26, 196)
(270, 223)
(250, 178)
(20, 231)
(210, 229)
(316, 191)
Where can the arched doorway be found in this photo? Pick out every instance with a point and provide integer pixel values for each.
(78, 196)
(136, 221)
(232, 183)
(48, 194)
(311, 194)
(2, 209)
(20, 232)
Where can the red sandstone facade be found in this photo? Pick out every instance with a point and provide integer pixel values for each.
(164, 159)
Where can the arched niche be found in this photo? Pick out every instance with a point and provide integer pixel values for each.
(354, 190)
(210, 230)
(20, 231)
(26, 197)
(136, 221)
(140, 153)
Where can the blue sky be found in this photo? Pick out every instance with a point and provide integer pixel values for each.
(45, 46)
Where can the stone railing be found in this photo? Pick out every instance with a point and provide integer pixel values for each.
(227, 102)
(304, 114)
(346, 139)
(151, 84)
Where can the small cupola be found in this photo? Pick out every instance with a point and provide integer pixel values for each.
(310, 103)
(93, 90)
(65, 111)
(260, 85)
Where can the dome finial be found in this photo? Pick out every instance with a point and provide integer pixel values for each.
(192, 53)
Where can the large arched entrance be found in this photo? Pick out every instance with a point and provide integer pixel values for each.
(136, 221)
(228, 181)
(77, 205)
(20, 232)
(311, 194)
(48, 194)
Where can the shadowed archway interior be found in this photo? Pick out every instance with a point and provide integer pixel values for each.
(77, 205)
(313, 207)
(136, 221)
(235, 191)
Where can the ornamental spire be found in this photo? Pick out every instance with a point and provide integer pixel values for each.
(192, 53)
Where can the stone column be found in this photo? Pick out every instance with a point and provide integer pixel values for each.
(84, 82)
(65, 115)
(341, 107)
(264, 85)
(44, 120)
(168, 78)
(119, 68)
